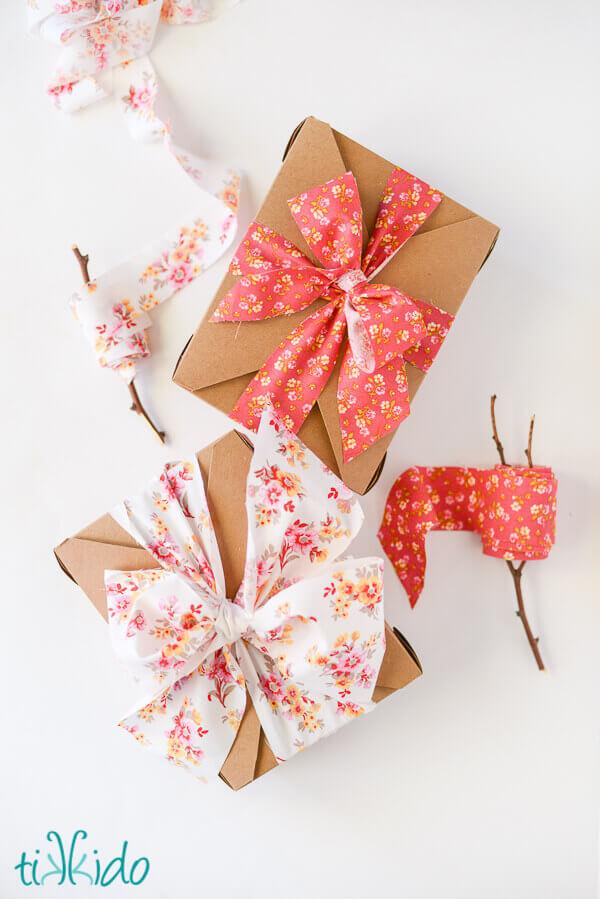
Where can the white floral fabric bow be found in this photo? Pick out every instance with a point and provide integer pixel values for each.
(103, 50)
(305, 634)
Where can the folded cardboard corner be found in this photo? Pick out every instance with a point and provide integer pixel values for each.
(437, 265)
(105, 545)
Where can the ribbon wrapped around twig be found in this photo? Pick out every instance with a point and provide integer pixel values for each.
(103, 49)
(304, 636)
(512, 508)
(384, 327)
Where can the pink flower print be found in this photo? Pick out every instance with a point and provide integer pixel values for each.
(272, 687)
(164, 551)
(113, 7)
(365, 677)
(139, 98)
(219, 669)
(180, 274)
(272, 495)
(169, 607)
(136, 624)
(120, 606)
(301, 537)
(348, 661)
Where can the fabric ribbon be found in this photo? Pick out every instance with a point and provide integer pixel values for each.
(304, 635)
(384, 327)
(103, 47)
(98, 36)
(513, 509)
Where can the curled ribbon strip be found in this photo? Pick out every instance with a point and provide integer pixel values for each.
(98, 36)
(103, 46)
(512, 508)
(384, 327)
(304, 635)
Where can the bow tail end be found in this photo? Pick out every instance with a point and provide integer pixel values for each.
(293, 377)
(194, 722)
(371, 404)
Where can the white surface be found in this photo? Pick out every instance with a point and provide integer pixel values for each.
(484, 774)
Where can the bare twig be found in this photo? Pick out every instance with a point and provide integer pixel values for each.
(528, 450)
(499, 446)
(517, 570)
(83, 263)
(136, 404)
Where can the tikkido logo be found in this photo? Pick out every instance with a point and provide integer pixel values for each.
(71, 863)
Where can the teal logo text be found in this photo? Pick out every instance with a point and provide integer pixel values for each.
(73, 862)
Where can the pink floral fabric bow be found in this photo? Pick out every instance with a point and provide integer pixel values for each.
(305, 634)
(512, 508)
(384, 327)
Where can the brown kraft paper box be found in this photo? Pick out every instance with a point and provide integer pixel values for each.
(105, 545)
(437, 265)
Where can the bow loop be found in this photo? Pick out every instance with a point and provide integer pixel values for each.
(161, 627)
(294, 529)
(275, 278)
(170, 518)
(406, 204)
(393, 324)
(330, 220)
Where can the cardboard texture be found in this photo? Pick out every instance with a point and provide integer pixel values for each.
(436, 265)
(104, 544)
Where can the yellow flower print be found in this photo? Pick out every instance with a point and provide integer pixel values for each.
(341, 606)
(292, 692)
(264, 516)
(147, 712)
(160, 528)
(233, 718)
(311, 722)
(316, 658)
(175, 748)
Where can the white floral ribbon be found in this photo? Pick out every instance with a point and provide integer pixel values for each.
(305, 634)
(103, 49)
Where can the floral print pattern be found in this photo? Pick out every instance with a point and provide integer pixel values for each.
(304, 635)
(101, 36)
(383, 326)
(512, 508)
(113, 309)
(98, 35)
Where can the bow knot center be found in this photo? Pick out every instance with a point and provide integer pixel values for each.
(231, 622)
(349, 280)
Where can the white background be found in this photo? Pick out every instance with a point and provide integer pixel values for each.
(481, 780)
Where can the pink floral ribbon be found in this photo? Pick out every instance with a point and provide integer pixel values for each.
(305, 634)
(384, 327)
(513, 509)
(103, 48)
